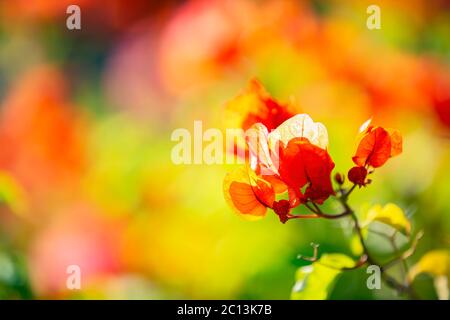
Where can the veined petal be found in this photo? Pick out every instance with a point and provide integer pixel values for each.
(248, 195)
(376, 146)
(260, 156)
(304, 164)
(300, 126)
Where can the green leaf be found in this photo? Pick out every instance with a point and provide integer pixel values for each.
(316, 281)
(390, 214)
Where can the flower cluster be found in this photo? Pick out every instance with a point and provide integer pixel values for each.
(288, 163)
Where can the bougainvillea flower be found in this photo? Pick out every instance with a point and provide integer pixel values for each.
(292, 160)
(255, 105)
(376, 146)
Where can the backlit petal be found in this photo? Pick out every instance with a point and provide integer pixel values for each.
(248, 195)
(300, 126)
(304, 164)
(374, 148)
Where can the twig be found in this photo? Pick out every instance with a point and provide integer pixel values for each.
(319, 212)
(361, 261)
(302, 216)
(367, 257)
(315, 254)
(392, 282)
(406, 254)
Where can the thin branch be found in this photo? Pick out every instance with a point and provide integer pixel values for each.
(315, 254)
(392, 282)
(406, 254)
(319, 212)
(345, 195)
(302, 216)
(367, 257)
(397, 251)
(391, 240)
(361, 261)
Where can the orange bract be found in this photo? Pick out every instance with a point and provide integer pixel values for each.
(255, 105)
(248, 194)
(376, 146)
(244, 199)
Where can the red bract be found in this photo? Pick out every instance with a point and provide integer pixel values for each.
(303, 164)
(376, 146)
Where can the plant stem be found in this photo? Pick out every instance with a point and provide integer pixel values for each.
(320, 214)
(406, 254)
(390, 281)
(404, 265)
(348, 211)
(302, 216)
(345, 195)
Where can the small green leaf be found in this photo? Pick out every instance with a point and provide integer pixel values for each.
(316, 281)
(391, 215)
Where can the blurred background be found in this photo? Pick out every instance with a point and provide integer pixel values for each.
(86, 118)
